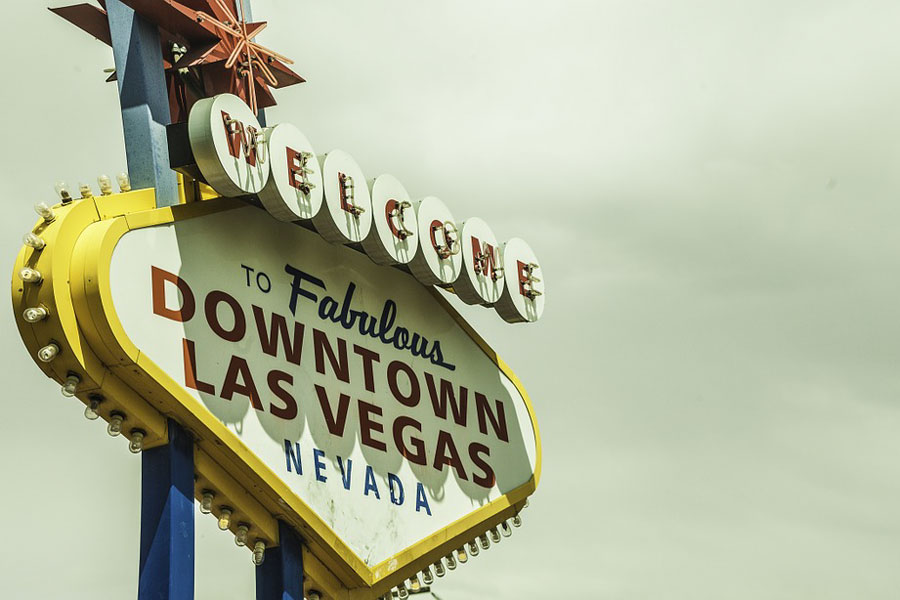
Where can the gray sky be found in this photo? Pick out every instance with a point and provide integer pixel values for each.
(711, 186)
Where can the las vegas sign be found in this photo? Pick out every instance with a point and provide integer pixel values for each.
(289, 319)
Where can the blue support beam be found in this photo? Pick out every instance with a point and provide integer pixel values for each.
(144, 100)
(167, 519)
(280, 577)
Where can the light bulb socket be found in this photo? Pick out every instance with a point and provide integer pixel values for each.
(116, 419)
(35, 314)
(225, 513)
(48, 352)
(71, 385)
(136, 441)
(29, 275)
(91, 410)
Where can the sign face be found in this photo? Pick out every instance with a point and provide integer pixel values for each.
(338, 394)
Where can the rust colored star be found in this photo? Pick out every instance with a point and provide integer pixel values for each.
(208, 48)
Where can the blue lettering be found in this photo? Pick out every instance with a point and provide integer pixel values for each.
(319, 464)
(398, 499)
(370, 482)
(290, 456)
(345, 473)
(421, 499)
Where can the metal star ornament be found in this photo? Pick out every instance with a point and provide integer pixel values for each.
(208, 48)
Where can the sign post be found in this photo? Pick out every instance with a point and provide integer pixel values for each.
(167, 519)
(144, 101)
(275, 342)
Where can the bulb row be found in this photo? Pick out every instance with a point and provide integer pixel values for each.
(461, 555)
(103, 182)
(207, 497)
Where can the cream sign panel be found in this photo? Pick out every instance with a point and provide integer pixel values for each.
(331, 194)
(349, 380)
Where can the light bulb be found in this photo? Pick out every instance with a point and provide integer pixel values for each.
(240, 538)
(29, 275)
(451, 561)
(461, 556)
(259, 552)
(439, 568)
(225, 513)
(85, 190)
(402, 592)
(29, 239)
(414, 584)
(527, 503)
(71, 385)
(44, 211)
(124, 182)
(427, 577)
(136, 444)
(105, 185)
(485, 543)
(90, 411)
(206, 500)
(115, 424)
(517, 521)
(505, 529)
(473, 548)
(48, 352)
(495, 535)
(35, 314)
(314, 595)
(62, 190)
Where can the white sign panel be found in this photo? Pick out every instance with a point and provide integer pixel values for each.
(349, 380)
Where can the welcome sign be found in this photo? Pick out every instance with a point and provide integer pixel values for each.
(338, 394)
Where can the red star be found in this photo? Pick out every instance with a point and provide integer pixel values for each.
(208, 49)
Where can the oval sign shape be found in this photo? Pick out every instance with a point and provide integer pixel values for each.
(393, 238)
(226, 139)
(347, 215)
(319, 388)
(294, 190)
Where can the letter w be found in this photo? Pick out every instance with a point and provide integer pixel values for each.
(268, 337)
(440, 402)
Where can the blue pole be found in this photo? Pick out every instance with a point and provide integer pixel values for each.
(280, 577)
(167, 519)
(144, 100)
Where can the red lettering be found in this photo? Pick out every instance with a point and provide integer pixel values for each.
(446, 454)
(487, 479)
(335, 423)
(447, 396)
(412, 399)
(498, 420)
(339, 363)
(274, 379)
(211, 306)
(158, 279)
(190, 370)
(295, 164)
(524, 277)
(241, 140)
(278, 329)
(417, 454)
(367, 425)
(238, 367)
(483, 258)
(368, 357)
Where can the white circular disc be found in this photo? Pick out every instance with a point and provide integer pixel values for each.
(428, 265)
(230, 162)
(515, 305)
(336, 222)
(289, 154)
(394, 236)
(482, 278)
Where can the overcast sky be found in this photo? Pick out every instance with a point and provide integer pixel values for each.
(712, 188)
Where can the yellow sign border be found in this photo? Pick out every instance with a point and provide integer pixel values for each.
(76, 289)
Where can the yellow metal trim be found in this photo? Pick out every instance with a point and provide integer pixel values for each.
(91, 244)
